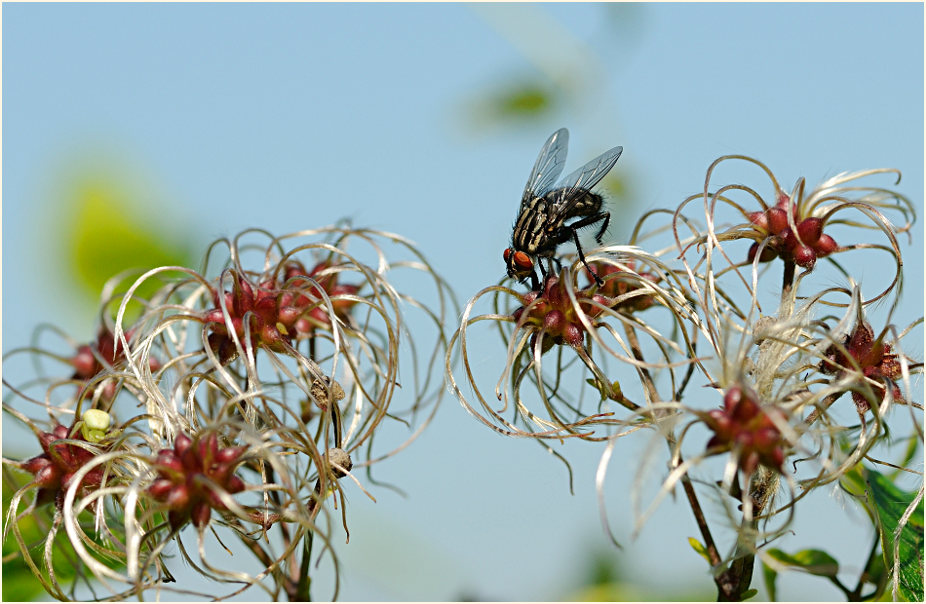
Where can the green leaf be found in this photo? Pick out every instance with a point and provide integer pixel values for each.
(108, 224)
(913, 446)
(19, 584)
(698, 547)
(891, 504)
(749, 593)
(607, 391)
(769, 575)
(814, 561)
(522, 99)
(853, 481)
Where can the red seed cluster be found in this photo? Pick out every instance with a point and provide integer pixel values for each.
(54, 469)
(553, 314)
(621, 283)
(328, 281)
(873, 357)
(86, 360)
(186, 475)
(277, 311)
(745, 426)
(803, 247)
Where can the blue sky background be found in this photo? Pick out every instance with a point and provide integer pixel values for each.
(292, 116)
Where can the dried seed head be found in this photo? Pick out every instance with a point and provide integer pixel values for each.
(324, 391)
(338, 458)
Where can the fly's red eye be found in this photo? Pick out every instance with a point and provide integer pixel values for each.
(523, 261)
(507, 254)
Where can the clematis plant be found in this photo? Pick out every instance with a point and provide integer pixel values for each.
(229, 409)
(681, 339)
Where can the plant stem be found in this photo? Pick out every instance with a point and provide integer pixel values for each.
(735, 581)
(709, 544)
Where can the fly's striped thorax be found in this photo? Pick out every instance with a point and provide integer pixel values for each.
(529, 233)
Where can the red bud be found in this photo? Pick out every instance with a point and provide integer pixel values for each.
(777, 220)
(573, 334)
(553, 320)
(179, 497)
(825, 246)
(229, 454)
(200, 514)
(804, 256)
(760, 220)
(48, 476)
(160, 488)
(809, 230)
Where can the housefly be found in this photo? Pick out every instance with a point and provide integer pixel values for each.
(541, 225)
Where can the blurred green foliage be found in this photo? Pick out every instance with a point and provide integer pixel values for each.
(886, 505)
(524, 101)
(106, 226)
(602, 579)
(891, 504)
(19, 584)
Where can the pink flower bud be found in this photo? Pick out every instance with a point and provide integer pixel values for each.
(768, 254)
(760, 220)
(36, 463)
(266, 306)
(804, 256)
(270, 335)
(784, 200)
(160, 488)
(573, 334)
(178, 498)
(288, 315)
(214, 316)
(777, 220)
(169, 459)
(825, 246)
(777, 457)
(85, 364)
(48, 476)
(200, 514)
(208, 447)
(809, 230)
(235, 484)
(244, 296)
(766, 437)
(732, 398)
(182, 443)
(554, 321)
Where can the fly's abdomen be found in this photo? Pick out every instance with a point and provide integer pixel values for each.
(581, 202)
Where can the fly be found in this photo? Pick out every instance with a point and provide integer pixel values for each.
(541, 225)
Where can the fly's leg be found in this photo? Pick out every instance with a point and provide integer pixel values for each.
(582, 258)
(543, 272)
(535, 284)
(574, 229)
(606, 216)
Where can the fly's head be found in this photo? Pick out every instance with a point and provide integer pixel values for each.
(520, 264)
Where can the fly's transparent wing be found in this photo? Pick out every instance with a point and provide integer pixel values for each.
(548, 167)
(583, 179)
